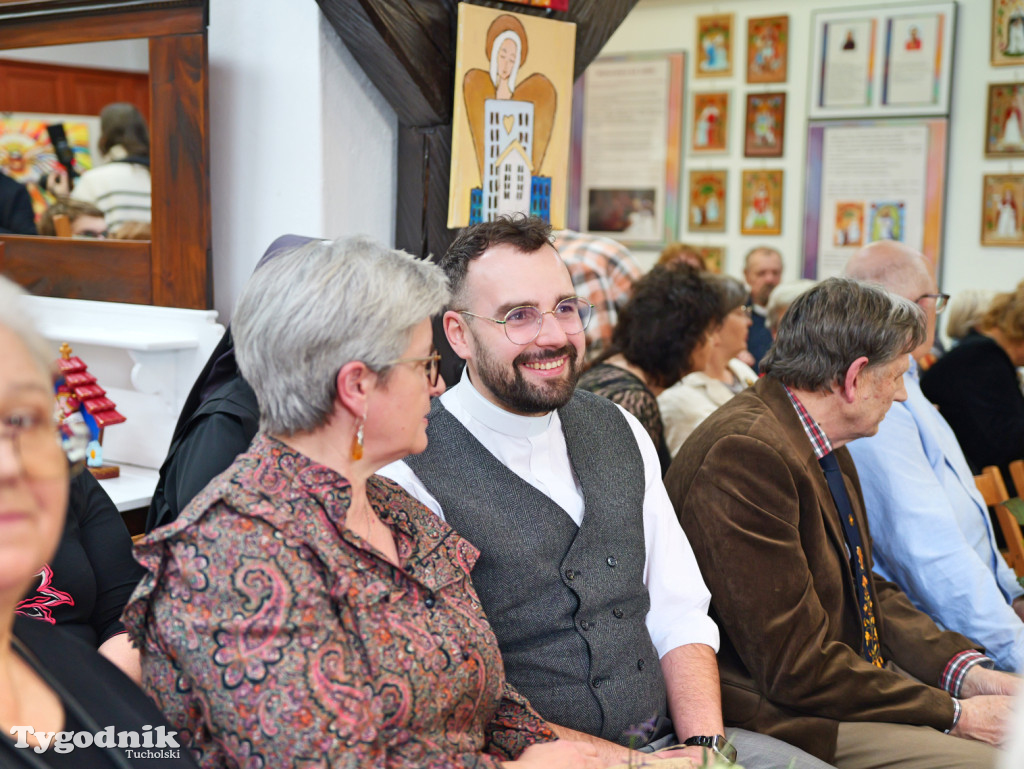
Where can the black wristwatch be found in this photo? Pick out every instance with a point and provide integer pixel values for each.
(718, 745)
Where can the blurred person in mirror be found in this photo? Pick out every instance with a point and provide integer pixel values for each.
(50, 681)
(687, 403)
(16, 215)
(300, 577)
(762, 269)
(817, 649)
(120, 186)
(930, 526)
(85, 219)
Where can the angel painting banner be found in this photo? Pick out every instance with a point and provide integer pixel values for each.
(512, 116)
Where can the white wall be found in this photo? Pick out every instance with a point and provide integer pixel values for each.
(670, 25)
(300, 141)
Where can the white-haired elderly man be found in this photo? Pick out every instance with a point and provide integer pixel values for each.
(816, 649)
(932, 531)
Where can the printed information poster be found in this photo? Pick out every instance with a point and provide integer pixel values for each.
(627, 141)
(872, 180)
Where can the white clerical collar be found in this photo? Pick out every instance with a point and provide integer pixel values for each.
(762, 311)
(493, 417)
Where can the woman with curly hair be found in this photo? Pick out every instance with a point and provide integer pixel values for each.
(661, 335)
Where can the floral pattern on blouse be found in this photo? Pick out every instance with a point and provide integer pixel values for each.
(274, 637)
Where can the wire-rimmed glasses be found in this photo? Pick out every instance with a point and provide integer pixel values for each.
(523, 324)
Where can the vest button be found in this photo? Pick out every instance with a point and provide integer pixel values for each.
(640, 664)
(618, 613)
(429, 602)
(612, 562)
(570, 574)
(596, 683)
(585, 625)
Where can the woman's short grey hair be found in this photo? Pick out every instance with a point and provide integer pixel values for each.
(966, 311)
(15, 315)
(313, 309)
(731, 293)
(782, 297)
(831, 325)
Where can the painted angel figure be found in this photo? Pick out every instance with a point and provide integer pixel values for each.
(506, 46)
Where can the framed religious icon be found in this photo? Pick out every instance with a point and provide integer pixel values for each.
(894, 60)
(768, 49)
(1004, 125)
(710, 122)
(1007, 33)
(1002, 203)
(706, 212)
(714, 46)
(765, 125)
(761, 207)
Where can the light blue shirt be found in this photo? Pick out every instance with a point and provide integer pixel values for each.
(930, 528)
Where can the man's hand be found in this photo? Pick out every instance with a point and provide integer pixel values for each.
(981, 680)
(985, 718)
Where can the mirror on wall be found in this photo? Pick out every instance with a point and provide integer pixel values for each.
(61, 63)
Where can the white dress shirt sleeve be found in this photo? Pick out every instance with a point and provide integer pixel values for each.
(679, 597)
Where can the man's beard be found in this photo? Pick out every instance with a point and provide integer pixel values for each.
(521, 396)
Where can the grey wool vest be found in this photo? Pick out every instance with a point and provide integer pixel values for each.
(567, 603)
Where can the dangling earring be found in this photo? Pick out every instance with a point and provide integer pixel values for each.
(357, 440)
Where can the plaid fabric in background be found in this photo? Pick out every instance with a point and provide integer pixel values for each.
(603, 273)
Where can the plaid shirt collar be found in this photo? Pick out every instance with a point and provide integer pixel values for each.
(820, 442)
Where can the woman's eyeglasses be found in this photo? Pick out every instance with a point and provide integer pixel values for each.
(432, 366)
(46, 450)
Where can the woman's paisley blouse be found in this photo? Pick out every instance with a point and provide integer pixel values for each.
(274, 637)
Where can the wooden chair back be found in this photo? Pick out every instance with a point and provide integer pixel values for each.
(993, 491)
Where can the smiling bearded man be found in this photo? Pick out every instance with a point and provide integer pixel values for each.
(584, 573)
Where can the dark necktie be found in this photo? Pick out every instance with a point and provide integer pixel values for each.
(865, 603)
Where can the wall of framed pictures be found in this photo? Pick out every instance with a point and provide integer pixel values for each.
(983, 145)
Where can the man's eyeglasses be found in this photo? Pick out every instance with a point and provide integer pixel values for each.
(432, 366)
(941, 300)
(523, 324)
(45, 449)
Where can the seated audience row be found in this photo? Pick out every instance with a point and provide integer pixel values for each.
(930, 527)
(303, 608)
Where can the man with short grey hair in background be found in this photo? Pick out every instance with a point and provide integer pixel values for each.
(816, 650)
(762, 269)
